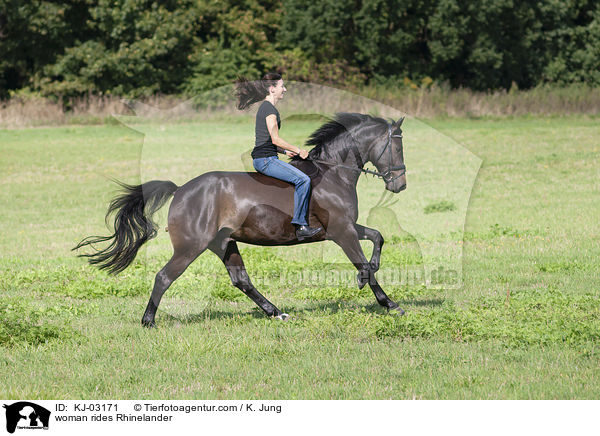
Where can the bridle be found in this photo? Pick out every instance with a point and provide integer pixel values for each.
(387, 174)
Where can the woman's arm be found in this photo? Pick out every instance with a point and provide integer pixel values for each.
(279, 141)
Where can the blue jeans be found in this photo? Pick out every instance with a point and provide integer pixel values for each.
(272, 166)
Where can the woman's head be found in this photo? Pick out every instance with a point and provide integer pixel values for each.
(250, 92)
(276, 91)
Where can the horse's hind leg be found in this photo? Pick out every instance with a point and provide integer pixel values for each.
(173, 269)
(228, 251)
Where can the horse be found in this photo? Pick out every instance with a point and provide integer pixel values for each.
(220, 208)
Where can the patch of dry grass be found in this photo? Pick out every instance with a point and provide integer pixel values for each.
(423, 102)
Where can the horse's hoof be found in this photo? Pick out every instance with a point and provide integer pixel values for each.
(148, 324)
(282, 317)
(396, 311)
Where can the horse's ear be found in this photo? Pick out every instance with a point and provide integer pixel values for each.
(399, 122)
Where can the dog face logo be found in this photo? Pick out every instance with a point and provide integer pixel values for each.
(26, 415)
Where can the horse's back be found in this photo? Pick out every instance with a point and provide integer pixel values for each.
(227, 198)
(235, 178)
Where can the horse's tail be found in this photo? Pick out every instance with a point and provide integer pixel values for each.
(133, 224)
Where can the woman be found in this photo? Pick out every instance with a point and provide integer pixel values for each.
(269, 91)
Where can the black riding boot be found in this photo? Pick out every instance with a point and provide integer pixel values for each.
(305, 232)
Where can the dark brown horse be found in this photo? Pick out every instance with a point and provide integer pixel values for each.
(217, 209)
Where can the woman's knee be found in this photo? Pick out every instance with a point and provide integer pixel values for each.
(303, 187)
(303, 180)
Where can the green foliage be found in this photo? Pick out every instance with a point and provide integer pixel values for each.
(20, 325)
(572, 44)
(563, 266)
(233, 39)
(498, 230)
(476, 44)
(225, 291)
(487, 46)
(134, 48)
(440, 206)
(338, 293)
(79, 282)
(320, 29)
(295, 64)
(377, 37)
(32, 34)
(524, 325)
(536, 317)
(138, 48)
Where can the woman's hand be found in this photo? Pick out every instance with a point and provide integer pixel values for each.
(303, 153)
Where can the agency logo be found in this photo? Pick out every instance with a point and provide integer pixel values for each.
(25, 415)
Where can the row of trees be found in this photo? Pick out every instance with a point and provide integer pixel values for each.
(142, 47)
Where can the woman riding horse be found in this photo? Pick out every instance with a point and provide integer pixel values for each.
(270, 90)
(218, 209)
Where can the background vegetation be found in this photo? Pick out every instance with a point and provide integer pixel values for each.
(68, 48)
(526, 323)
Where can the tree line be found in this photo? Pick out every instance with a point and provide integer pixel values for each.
(67, 48)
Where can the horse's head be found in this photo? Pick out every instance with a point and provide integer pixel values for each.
(351, 140)
(387, 155)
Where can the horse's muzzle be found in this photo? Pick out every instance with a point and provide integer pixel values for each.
(396, 187)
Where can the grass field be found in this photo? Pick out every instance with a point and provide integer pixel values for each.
(525, 324)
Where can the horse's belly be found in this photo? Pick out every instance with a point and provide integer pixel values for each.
(266, 225)
(258, 209)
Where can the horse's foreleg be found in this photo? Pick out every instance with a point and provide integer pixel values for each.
(348, 241)
(173, 269)
(228, 251)
(375, 237)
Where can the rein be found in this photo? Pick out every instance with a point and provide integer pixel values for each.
(386, 175)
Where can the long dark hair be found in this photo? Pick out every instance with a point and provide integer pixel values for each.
(250, 92)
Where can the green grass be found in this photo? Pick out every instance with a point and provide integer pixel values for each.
(441, 206)
(525, 324)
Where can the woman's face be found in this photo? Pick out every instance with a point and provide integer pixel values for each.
(278, 90)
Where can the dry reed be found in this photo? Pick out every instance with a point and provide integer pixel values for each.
(32, 111)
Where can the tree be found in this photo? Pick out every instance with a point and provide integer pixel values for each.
(236, 38)
(571, 40)
(132, 48)
(32, 35)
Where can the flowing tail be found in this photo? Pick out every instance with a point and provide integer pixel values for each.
(133, 224)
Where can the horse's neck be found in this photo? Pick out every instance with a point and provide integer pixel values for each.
(348, 161)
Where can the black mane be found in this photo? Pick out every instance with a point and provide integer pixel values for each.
(341, 123)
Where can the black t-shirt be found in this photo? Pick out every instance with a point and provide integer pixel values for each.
(263, 145)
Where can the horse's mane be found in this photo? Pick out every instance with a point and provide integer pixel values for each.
(341, 123)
